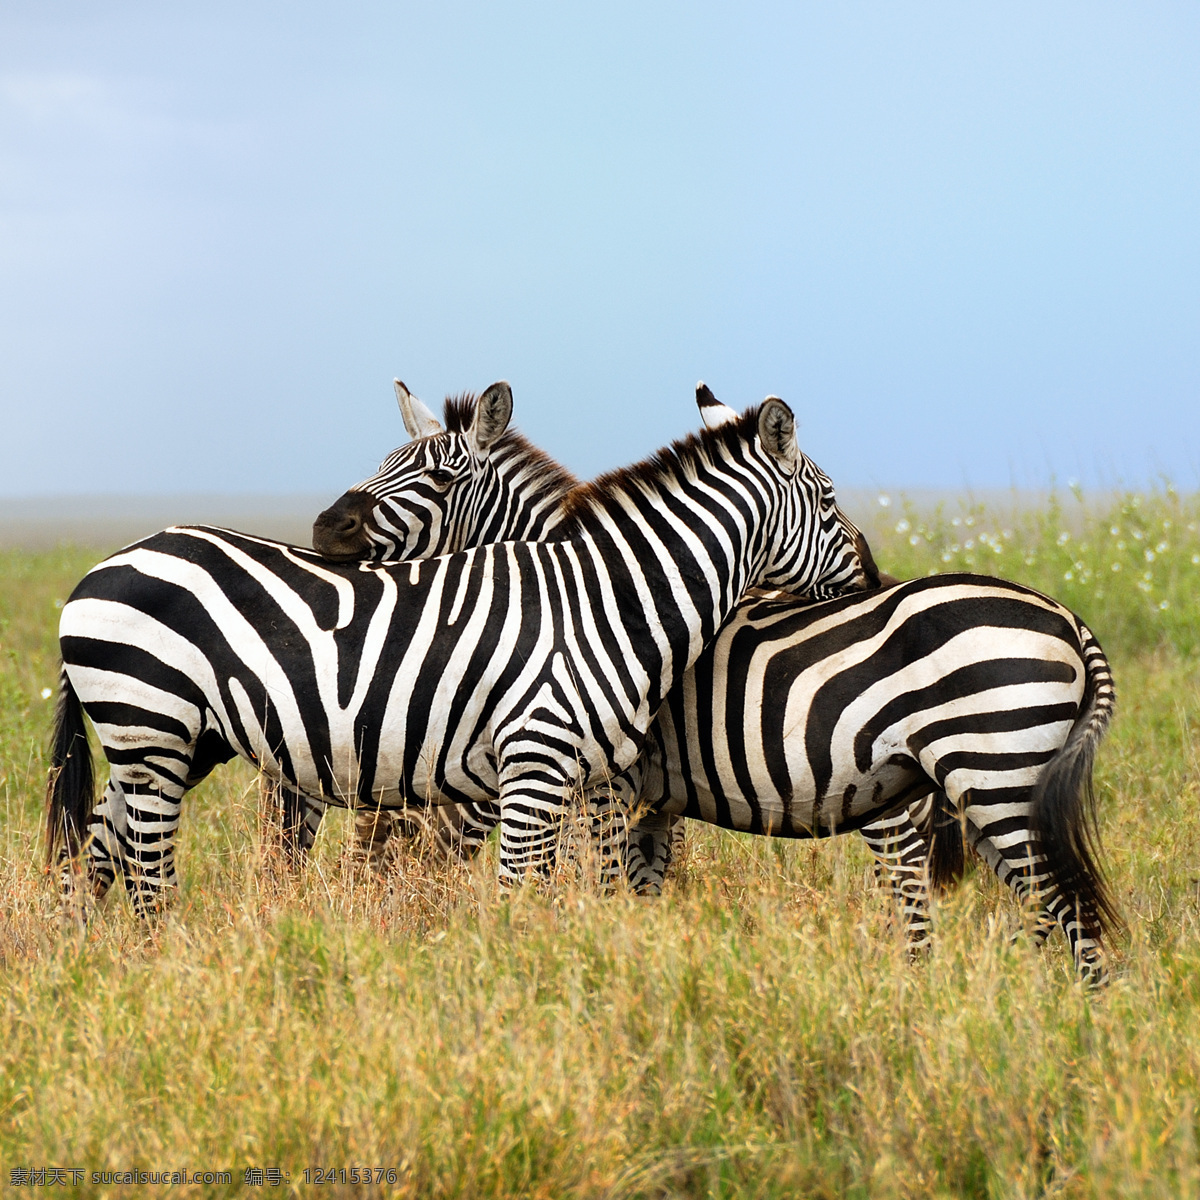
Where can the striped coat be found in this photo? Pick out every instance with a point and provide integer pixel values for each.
(989, 699)
(517, 672)
(804, 721)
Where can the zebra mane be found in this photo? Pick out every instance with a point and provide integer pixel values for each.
(512, 449)
(654, 475)
(460, 412)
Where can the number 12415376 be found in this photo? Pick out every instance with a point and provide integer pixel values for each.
(351, 1175)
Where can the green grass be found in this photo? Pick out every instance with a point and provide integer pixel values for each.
(756, 1032)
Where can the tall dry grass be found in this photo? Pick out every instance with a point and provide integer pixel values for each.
(758, 1031)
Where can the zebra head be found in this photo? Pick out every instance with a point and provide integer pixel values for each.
(823, 553)
(470, 482)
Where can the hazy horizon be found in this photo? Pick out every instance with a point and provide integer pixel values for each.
(105, 522)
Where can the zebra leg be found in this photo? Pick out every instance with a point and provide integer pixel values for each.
(373, 829)
(629, 838)
(649, 837)
(901, 853)
(532, 809)
(133, 828)
(1021, 867)
(131, 836)
(291, 819)
(459, 830)
(649, 849)
(1087, 951)
(152, 817)
(676, 845)
(610, 830)
(85, 876)
(300, 822)
(1019, 876)
(462, 829)
(107, 838)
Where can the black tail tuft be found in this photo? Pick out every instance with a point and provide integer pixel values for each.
(1064, 805)
(947, 860)
(71, 789)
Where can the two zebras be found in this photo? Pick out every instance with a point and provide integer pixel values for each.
(976, 696)
(516, 672)
(796, 721)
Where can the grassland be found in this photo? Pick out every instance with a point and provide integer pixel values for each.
(756, 1032)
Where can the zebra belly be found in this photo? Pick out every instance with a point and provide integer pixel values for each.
(852, 799)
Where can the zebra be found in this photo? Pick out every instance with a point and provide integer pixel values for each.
(956, 695)
(1035, 689)
(808, 720)
(487, 467)
(517, 672)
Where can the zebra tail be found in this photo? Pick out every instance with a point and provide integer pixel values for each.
(1064, 803)
(947, 859)
(71, 789)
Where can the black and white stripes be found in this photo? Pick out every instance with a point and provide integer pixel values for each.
(468, 483)
(519, 672)
(803, 721)
(990, 680)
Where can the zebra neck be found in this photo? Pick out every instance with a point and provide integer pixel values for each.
(672, 589)
(523, 502)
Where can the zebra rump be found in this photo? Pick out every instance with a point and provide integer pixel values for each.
(1062, 819)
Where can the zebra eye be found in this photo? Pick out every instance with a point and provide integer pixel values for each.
(441, 476)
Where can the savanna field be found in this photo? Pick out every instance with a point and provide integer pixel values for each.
(758, 1031)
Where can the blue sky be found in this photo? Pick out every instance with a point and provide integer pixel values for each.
(963, 241)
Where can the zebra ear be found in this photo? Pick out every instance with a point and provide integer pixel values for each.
(777, 431)
(492, 415)
(715, 413)
(418, 420)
